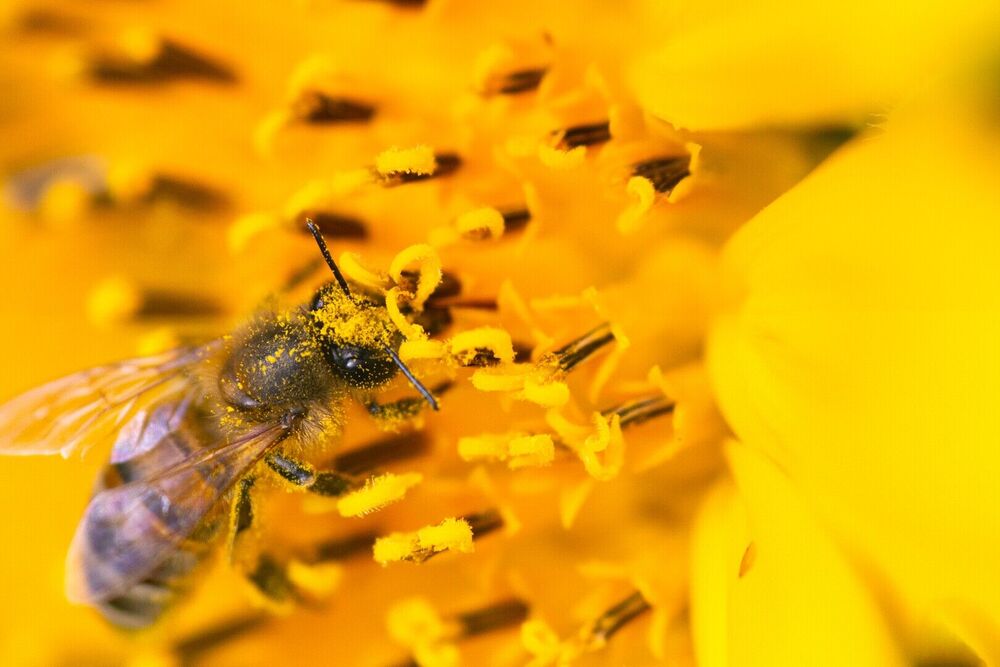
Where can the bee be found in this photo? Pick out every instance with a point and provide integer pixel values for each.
(190, 426)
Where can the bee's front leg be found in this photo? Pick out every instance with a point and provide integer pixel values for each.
(403, 410)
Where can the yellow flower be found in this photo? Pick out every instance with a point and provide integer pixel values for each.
(541, 195)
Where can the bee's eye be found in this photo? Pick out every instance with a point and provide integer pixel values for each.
(360, 366)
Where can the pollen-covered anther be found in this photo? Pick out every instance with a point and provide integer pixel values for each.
(449, 535)
(543, 383)
(429, 272)
(377, 493)
(396, 166)
(142, 57)
(485, 346)
(481, 224)
(518, 450)
(561, 159)
(319, 580)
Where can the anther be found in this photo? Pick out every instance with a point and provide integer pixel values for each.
(664, 173)
(485, 522)
(391, 449)
(322, 109)
(518, 81)
(633, 413)
(494, 617)
(167, 61)
(615, 618)
(342, 548)
(334, 225)
(192, 647)
(515, 219)
(117, 300)
(588, 134)
(571, 354)
(186, 193)
(445, 164)
(45, 21)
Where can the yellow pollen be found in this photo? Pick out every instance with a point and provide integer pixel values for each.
(480, 224)
(377, 493)
(464, 346)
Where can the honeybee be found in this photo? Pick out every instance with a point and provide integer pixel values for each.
(191, 425)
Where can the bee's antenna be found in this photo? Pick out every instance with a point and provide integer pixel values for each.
(424, 391)
(318, 235)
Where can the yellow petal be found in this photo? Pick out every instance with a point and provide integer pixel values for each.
(773, 62)
(798, 588)
(859, 350)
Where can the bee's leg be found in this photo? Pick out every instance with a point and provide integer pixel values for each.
(403, 410)
(266, 574)
(299, 473)
(241, 517)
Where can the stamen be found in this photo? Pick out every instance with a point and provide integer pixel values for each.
(518, 81)
(342, 548)
(485, 522)
(187, 193)
(587, 134)
(403, 4)
(117, 299)
(515, 219)
(321, 109)
(445, 164)
(44, 21)
(382, 452)
(499, 615)
(664, 173)
(633, 413)
(571, 354)
(615, 618)
(194, 646)
(169, 61)
(333, 225)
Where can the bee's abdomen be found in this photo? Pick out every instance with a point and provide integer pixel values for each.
(143, 604)
(107, 529)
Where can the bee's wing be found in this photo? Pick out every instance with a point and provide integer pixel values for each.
(70, 414)
(128, 531)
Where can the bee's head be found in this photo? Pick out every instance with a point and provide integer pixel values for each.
(355, 335)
